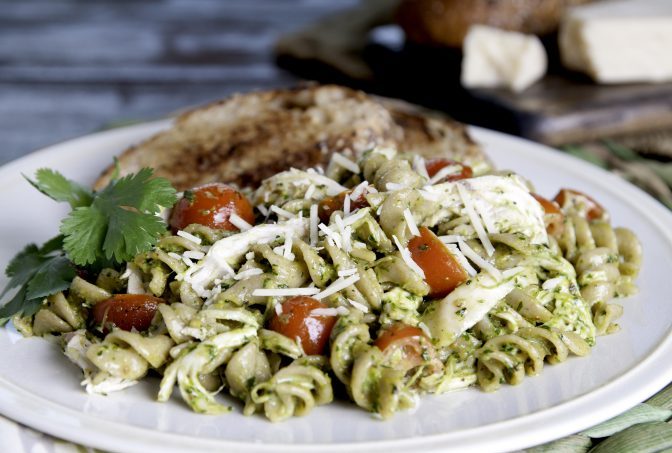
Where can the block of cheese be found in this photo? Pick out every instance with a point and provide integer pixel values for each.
(619, 41)
(497, 58)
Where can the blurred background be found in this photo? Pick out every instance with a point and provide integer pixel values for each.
(590, 77)
(71, 67)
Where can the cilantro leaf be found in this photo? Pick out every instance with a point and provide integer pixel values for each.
(53, 276)
(22, 267)
(121, 220)
(59, 188)
(18, 304)
(37, 272)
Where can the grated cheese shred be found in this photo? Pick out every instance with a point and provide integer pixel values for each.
(410, 221)
(406, 256)
(475, 219)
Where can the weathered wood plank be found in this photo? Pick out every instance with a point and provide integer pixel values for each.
(69, 67)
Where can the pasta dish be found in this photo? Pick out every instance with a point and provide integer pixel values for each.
(375, 280)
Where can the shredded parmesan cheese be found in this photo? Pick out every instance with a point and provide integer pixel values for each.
(429, 196)
(263, 209)
(281, 292)
(324, 312)
(331, 235)
(459, 256)
(347, 272)
(194, 254)
(309, 192)
(359, 190)
(126, 274)
(338, 285)
(288, 248)
(190, 237)
(349, 220)
(313, 225)
(346, 206)
(281, 212)
(345, 232)
(239, 222)
(248, 273)
(174, 256)
(344, 162)
(479, 261)
(278, 309)
(361, 307)
(420, 166)
(406, 256)
(392, 186)
(410, 221)
(475, 219)
(445, 171)
(134, 284)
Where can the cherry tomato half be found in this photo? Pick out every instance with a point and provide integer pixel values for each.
(412, 341)
(126, 311)
(211, 205)
(593, 210)
(297, 320)
(553, 217)
(435, 165)
(443, 273)
(330, 204)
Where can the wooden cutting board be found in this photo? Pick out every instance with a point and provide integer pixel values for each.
(360, 49)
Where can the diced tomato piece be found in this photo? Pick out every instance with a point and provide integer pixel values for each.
(411, 340)
(553, 217)
(330, 204)
(435, 165)
(593, 210)
(211, 205)
(443, 273)
(126, 311)
(297, 321)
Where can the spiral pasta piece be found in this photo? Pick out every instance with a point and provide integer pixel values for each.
(58, 315)
(508, 358)
(348, 338)
(119, 361)
(199, 359)
(293, 391)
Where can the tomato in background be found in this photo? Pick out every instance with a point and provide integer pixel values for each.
(435, 165)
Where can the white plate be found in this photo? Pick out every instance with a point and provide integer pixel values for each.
(38, 386)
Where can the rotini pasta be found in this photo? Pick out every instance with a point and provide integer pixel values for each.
(380, 276)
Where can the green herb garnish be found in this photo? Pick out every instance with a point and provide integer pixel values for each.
(37, 272)
(103, 228)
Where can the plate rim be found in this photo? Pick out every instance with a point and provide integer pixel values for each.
(499, 436)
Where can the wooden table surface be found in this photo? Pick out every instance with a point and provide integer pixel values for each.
(68, 68)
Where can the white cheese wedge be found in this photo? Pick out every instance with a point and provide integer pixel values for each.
(619, 41)
(497, 58)
(465, 306)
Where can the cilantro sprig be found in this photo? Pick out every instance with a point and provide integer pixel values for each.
(121, 220)
(110, 226)
(37, 272)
